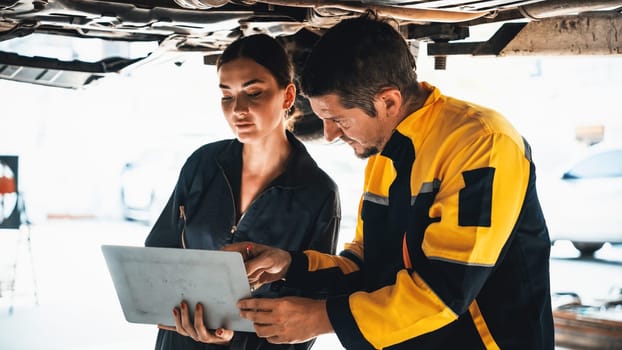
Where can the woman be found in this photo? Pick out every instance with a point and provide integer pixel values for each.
(262, 186)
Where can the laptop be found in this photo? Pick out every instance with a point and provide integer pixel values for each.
(151, 281)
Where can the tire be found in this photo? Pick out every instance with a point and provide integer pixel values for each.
(587, 249)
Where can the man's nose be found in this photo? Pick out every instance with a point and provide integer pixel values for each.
(331, 131)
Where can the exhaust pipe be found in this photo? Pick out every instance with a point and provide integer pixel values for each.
(410, 14)
(546, 9)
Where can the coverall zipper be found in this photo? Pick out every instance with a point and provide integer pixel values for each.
(234, 227)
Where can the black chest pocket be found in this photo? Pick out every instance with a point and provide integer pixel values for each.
(278, 218)
(382, 239)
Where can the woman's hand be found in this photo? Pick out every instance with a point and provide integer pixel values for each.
(197, 330)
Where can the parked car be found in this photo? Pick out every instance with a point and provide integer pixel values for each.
(148, 181)
(583, 203)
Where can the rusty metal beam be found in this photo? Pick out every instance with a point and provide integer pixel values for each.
(585, 34)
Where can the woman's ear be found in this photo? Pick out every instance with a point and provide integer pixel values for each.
(290, 96)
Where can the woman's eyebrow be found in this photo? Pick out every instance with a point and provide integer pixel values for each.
(252, 81)
(245, 84)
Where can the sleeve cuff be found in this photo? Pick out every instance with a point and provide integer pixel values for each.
(298, 269)
(340, 316)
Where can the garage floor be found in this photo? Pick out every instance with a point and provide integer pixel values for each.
(75, 305)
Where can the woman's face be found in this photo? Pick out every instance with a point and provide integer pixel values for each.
(252, 102)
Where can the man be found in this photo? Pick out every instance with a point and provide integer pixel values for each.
(451, 249)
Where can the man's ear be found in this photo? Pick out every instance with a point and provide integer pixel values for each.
(290, 96)
(391, 101)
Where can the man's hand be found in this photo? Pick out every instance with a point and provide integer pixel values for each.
(287, 320)
(264, 264)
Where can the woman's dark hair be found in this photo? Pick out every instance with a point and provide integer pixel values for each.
(264, 50)
(356, 59)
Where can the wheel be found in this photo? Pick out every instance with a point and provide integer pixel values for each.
(587, 249)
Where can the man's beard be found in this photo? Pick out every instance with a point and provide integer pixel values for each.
(367, 152)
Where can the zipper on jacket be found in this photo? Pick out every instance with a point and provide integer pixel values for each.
(182, 216)
(235, 225)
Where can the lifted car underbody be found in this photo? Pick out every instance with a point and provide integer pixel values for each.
(531, 27)
(177, 27)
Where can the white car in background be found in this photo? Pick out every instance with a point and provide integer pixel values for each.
(583, 203)
(148, 181)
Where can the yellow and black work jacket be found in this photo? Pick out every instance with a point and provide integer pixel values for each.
(451, 248)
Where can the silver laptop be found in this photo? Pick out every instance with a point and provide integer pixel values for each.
(150, 282)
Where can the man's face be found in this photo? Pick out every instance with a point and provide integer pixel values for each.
(364, 133)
